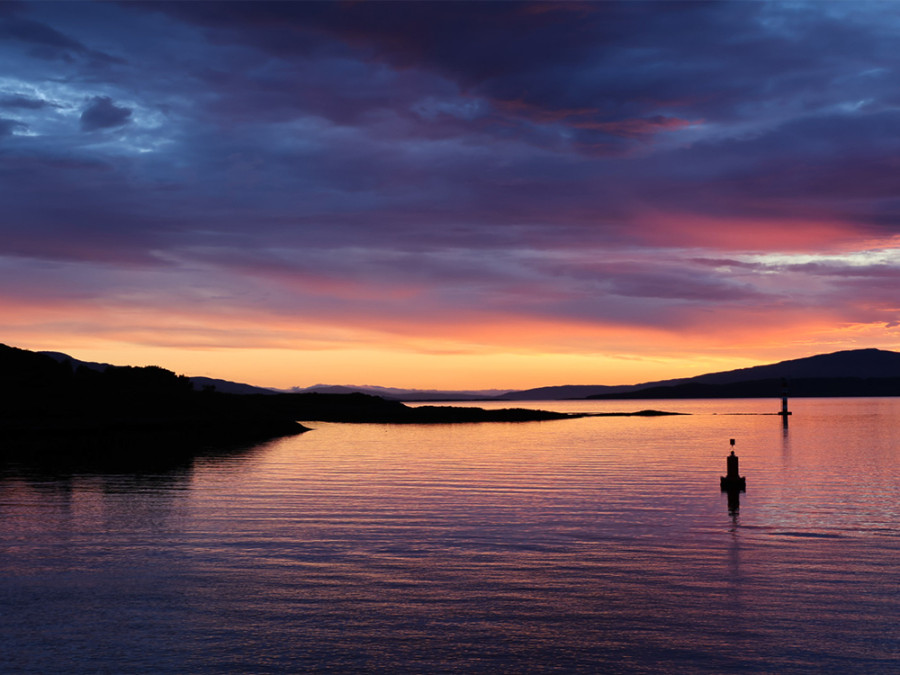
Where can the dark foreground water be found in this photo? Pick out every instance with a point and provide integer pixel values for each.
(594, 545)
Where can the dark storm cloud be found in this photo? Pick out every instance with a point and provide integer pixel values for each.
(102, 113)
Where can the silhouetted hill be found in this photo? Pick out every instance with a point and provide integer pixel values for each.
(858, 363)
(855, 363)
(227, 387)
(200, 383)
(859, 372)
(771, 388)
(564, 392)
(43, 398)
(75, 363)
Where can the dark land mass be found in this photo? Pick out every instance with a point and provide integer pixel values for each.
(857, 372)
(365, 408)
(854, 363)
(860, 372)
(45, 403)
(639, 413)
(51, 404)
(769, 388)
(199, 383)
(227, 387)
(564, 392)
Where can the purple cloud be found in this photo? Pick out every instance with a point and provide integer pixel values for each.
(102, 113)
(586, 162)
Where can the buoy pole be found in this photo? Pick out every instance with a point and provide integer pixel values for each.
(784, 399)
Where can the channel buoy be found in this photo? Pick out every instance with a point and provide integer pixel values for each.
(732, 480)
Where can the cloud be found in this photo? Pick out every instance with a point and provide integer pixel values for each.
(46, 42)
(75, 209)
(15, 101)
(532, 164)
(9, 127)
(36, 33)
(102, 113)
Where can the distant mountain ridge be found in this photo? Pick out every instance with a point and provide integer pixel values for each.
(846, 372)
(861, 363)
(228, 387)
(857, 372)
(566, 392)
(398, 394)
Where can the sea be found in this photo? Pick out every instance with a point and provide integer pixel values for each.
(592, 545)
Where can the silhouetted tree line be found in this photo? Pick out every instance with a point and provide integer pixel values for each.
(33, 381)
(40, 396)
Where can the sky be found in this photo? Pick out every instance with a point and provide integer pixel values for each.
(449, 195)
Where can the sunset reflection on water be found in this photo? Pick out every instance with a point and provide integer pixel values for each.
(579, 545)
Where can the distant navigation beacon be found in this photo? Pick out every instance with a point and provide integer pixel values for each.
(784, 397)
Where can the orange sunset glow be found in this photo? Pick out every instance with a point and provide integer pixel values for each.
(371, 209)
(442, 336)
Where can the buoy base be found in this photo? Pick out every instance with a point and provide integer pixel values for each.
(731, 483)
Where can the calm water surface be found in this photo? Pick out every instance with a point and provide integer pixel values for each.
(591, 545)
